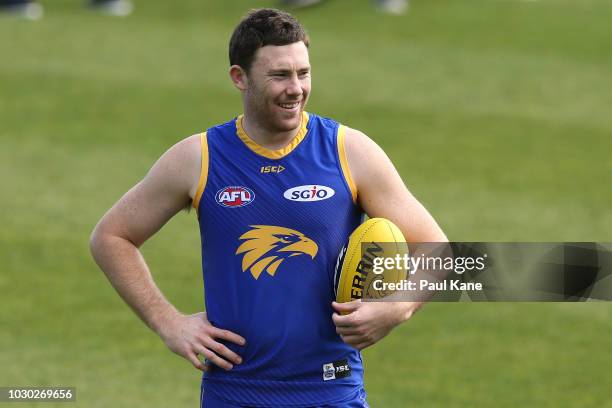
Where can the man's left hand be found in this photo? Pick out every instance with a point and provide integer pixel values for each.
(362, 324)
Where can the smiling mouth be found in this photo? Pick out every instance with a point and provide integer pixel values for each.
(289, 106)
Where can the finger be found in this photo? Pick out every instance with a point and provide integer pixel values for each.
(223, 351)
(363, 345)
(346, 330)
(228, 335)
(343, 321)
(193, 358)
(352, 340)
(215, 359)
(347, 307)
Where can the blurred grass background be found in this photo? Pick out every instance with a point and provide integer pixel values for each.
(496, 112)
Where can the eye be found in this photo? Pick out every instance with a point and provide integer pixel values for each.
(285, 239)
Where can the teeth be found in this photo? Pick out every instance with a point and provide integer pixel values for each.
(289, 105)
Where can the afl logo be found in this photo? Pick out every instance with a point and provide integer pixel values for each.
(235, 196)
(309, 193)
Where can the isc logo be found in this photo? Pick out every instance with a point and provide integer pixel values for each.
(309, 193)
(342, 368)
(235, 196)
(271, 169)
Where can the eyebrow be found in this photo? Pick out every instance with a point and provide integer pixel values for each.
(286, 70)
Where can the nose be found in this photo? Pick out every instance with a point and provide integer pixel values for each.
(294, 88)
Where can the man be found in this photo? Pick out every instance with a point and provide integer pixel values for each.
(277, 192)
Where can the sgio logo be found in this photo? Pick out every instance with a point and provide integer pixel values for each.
(309, 193)
(235, 196)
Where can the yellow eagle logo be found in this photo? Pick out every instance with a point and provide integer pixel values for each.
(265, 247)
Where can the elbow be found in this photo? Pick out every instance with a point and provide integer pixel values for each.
(95, 240)
(105, 242)
(101, 248)
(439, 237)
(100, 243)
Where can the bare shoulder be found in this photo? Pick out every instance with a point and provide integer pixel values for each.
(162, 193)
(357, 141)
(189, 146)
(180, 165)
(382, 193)
(185, 152)
(364, 155)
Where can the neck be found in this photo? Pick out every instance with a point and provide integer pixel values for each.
(265, 137)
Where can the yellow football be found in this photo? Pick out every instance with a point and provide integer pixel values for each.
(354, 277)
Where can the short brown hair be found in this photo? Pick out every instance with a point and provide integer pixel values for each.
(263, 27)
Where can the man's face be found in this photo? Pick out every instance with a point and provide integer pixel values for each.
(278, 85)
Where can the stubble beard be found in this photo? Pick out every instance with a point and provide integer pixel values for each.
(268, 115)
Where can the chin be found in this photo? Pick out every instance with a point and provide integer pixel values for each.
(287, 124)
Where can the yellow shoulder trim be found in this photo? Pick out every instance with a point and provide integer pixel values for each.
(344, 162)
(203, 172)
(268, 153)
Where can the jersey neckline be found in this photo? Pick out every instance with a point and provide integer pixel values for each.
(269, 153)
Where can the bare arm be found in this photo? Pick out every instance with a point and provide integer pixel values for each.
(381, 193)
(139, 214)
(167, 188)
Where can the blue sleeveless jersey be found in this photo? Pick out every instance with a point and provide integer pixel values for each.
(272, 224)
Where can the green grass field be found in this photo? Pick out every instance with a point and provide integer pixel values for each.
(497, 114)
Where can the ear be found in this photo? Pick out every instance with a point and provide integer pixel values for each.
(239, 77)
